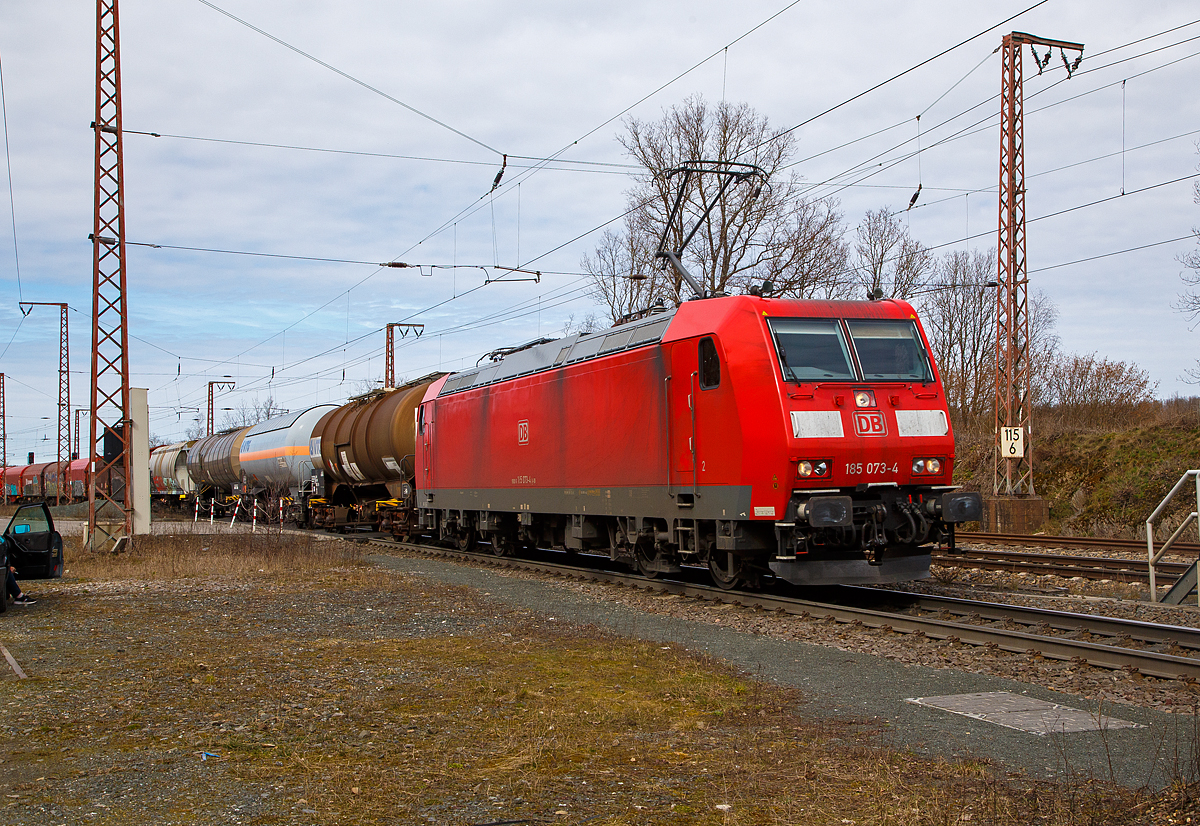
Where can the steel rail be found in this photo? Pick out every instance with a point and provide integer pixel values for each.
(1149, 663)
(1128, 570)
(1068, 621)
(1042, 541)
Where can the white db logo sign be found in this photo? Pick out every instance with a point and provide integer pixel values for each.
(523, 432)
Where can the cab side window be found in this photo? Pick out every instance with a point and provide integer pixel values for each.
(710, 365)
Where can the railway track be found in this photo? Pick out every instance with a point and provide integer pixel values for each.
(1104, 642)
(1095, 543)
(1068, 565)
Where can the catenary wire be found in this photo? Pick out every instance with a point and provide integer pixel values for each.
(894, 77)
(608, 167)
(576, 239)
(11, 200)
(349, 77)
(526, 173)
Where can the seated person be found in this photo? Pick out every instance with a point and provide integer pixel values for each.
(13, 590)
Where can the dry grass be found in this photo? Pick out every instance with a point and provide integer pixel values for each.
(238, 557)
(328, 691)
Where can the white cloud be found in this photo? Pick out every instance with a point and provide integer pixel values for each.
(529, 79)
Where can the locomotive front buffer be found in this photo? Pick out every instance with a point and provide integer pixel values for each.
(828, 536)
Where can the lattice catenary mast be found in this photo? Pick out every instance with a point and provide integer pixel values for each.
(3, 444)
(1013, 456)
(389, 362)
(218, 385)
(64, 394)
(110, 423)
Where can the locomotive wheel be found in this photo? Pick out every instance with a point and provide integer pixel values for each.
(502, 545)
(465, 540)
(644, 558)
(718, 569)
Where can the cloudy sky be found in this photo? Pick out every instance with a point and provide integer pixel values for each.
(368, 131)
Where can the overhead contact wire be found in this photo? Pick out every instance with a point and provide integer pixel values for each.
(351, 78)
(11, 201)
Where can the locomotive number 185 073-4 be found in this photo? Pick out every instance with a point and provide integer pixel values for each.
(871, 468)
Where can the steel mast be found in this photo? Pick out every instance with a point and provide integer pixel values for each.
(1013, 468)
(64, 394)
(110, 423)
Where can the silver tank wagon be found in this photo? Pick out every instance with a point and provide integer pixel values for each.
(274, 455)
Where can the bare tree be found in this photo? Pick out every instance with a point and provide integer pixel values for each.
(624, 275)
(194, 431)
(251, 413)
(958, 309)
(1189, 301)
(1083, 390)
(959, 314)
(887, 260)
(754, 233)
(588, 324)
(361, 387)
(1044, 345)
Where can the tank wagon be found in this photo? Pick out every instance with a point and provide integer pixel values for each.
(269, 461)
(747, 434)
(169, 477)
(213, 463)
(347, 467)
(363, 453)
(275, 462)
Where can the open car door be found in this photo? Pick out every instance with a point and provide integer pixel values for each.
(34, 548)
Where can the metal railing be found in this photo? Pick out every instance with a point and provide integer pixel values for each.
(1154, 556)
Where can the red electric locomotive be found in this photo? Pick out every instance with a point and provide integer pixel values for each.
(748, 434)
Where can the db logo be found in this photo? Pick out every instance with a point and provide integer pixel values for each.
(523, 432)
(869, 423)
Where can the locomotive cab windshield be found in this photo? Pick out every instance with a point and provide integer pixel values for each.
(829, 349)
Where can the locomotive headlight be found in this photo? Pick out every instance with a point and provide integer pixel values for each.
(926, 467)
(812, 468)
(864, 398)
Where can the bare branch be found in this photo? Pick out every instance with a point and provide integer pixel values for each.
(753, 234)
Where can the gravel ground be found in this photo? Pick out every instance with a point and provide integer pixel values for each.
(857, 671)
(275, 699)
(1076, 595)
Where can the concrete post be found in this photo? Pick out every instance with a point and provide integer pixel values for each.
(139, 459)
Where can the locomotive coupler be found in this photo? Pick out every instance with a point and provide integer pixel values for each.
(873, 534)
